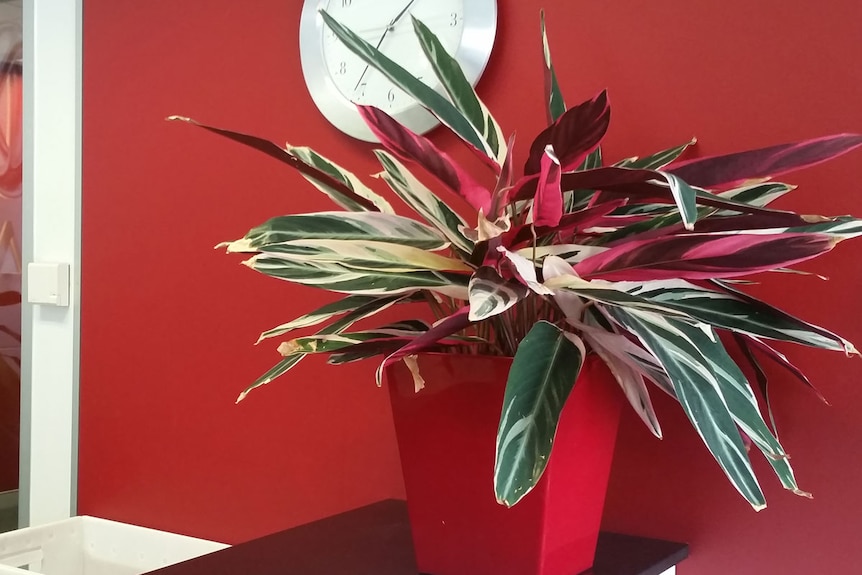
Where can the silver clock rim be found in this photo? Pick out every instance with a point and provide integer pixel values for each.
(473, 53)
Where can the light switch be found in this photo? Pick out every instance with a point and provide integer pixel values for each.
(48, 283)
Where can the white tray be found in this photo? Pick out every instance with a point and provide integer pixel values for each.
(91, 546)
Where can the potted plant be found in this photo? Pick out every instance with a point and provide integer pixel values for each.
(570, 274)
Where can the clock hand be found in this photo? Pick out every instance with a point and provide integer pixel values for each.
(389, 28)
(401, 14)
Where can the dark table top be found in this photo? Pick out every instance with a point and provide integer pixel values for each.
(375, 540)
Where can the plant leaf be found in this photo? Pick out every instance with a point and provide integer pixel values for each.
(429, 98)
(444, 328)
(542, 375)
(340, 192)
(658, 160)
(412, 147)
(287, 363)
(702, 256)
(574, 135)
(347, 226)
(698, 391)
(630, 380)
(759, 194)
(812, 335)
(316, 161)
(491, 295)
(556, 105)
(548, 204)
(365, 255)
(339, 278)
(731, 311)
(768, 162)
(424, 201)
(350, 303)
(461, 92)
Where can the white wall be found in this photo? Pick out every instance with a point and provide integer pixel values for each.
(52, 207)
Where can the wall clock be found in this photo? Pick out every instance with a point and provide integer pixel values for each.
(336, 78)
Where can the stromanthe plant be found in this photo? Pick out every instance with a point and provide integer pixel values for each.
(637, 262)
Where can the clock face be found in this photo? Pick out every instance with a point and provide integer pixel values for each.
(387, 24)
(338, 80)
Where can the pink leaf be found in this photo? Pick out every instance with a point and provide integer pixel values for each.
(412, 147)
(500, 197)
(702, 256)
(442, 329)
(574, 135)
(275, 151)
(765, 162)
(548, 204)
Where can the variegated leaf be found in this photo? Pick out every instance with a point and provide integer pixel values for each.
(548, 203)
(461, 92)
(542, 375)
(698, 390)
(425, 95)
(338, 326)
(758, 194)
(632, 354)
(342, 279)
(336, 189)
(319, 163)
(726, 310)
(348, 226)
(791, 328)
(442, 329)
(491, 295)
(341, 306)
(630, 380)
(556, 105)
(365, 255)
(658, 160)
(424, 201)
(525, 271)
(702, 256)
(571, 253)
(765, 162)
(558, 279)
(415, 148)
(573, 136)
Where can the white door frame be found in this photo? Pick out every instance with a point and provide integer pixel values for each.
(51, 233)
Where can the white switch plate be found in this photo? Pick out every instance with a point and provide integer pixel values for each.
(48, 283)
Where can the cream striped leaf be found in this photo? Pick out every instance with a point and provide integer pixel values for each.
(553, 95)
(735, 311)
(542, 375)
(447, 113)
(342, 279)
(364, 226)
(424, 201)
(365, 255)
(699, 391)
(311, 158)
(658, 160)
(347, 304)
(491, 295)
(461, 93)
(363, 311)
(757, 194)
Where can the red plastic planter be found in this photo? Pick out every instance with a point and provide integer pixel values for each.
(446, 436)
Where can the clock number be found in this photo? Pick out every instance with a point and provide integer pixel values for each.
(391, 95)
(361, 89)
(454, 19)
(342, 69)
(346, 3)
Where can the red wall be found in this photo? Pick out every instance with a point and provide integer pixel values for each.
(168, 323)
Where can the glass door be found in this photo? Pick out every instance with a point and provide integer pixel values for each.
(11, 121)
